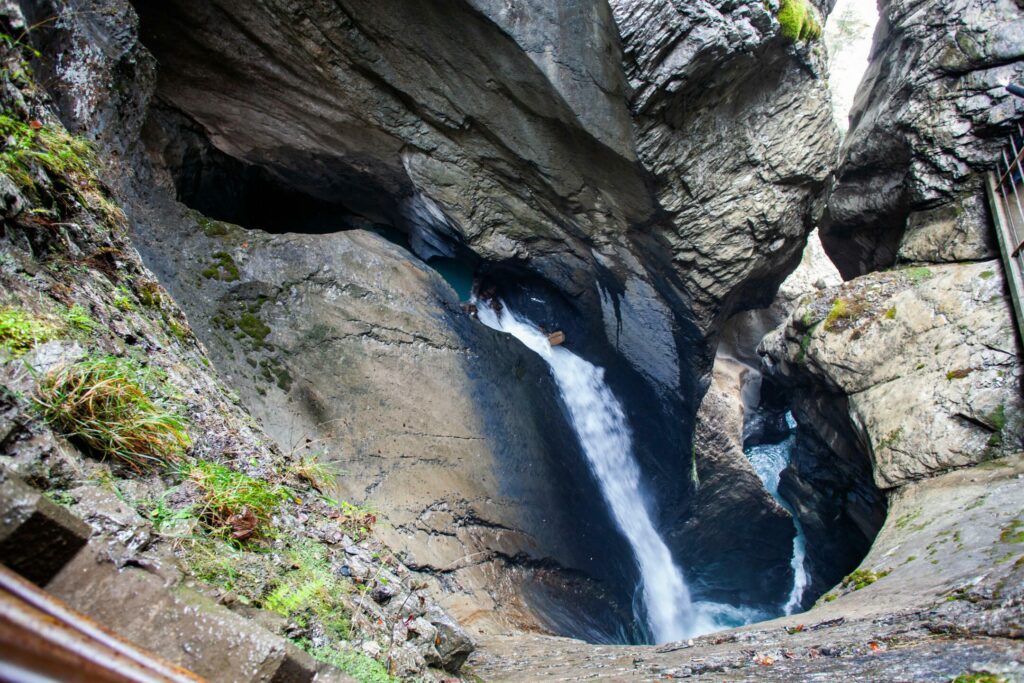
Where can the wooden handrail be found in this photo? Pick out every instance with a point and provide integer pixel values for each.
(40, 636)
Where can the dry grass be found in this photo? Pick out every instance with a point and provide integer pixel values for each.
(109, 405)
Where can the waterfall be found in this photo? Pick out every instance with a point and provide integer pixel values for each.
(769, 460)
(605, 437)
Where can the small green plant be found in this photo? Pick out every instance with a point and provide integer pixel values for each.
(20, 331)
(799, 20)
(223, 268)
(358, 665)
(959, 373)
(986, 274)
(863, 578)
(211, 228)
(252, 326)
(891, 440)
(842, 311)
(890, 314)
(123, 299)
(314, 473)
(112, 406)
(78, 319)
(234, 504)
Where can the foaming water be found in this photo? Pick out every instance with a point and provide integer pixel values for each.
(769, 460)
(605, 437)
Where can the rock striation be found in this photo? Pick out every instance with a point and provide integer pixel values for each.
(931, 114)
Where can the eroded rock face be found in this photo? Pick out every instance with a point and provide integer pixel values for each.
(350, 349)
(733, 124)
(929, 117)
(925, 359)
(728, 489)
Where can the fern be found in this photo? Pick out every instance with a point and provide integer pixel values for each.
(286, 599)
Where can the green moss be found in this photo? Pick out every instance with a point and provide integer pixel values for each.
(223, 268)
(842, 311)
(863, 578)
(149, 294)
(891, 313)
(1012, 532)
(251, 325)
(799, 20)
(997, 419)
(917, 273)
(891, 440)
(986, 274)
(20, 330)
(358, 665)
(978, 678)
(212, 228)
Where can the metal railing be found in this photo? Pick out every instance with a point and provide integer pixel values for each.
(1005, 185)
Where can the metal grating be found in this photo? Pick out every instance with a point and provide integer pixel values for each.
(1006, 196)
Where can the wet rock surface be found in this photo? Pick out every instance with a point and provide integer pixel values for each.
(930, 117)
(944, 594)
(951, 398)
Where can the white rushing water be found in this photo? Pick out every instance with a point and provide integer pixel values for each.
(769, 460)
(604, 434)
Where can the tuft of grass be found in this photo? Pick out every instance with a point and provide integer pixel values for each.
(959, 373)
(314, 473)
(891, 313)
(799, 20)
(28, 147)
(234, 504)
(112, 407)
(20, 331)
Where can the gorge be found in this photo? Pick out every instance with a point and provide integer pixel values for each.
(510, 340)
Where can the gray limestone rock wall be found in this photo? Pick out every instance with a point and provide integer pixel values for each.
(930, 116)
(531, 140)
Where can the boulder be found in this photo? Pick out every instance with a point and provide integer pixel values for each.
(929, 118)
(925, 360)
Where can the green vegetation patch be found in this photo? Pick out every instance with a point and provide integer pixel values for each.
(1012, 532)
(234, 504)
(30, 146)
(358, 665)
(986, 274)
(115, 408)
(78, 319)
(959, 373)
(799, 20)
(20, 330)
(223, 268)
(978, 678)
(917, 273)
(211, 228)
(842, 313)
(891, 313)
(863, 578)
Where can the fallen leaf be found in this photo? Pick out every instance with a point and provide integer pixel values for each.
(764, 660)
(243, 524)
